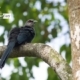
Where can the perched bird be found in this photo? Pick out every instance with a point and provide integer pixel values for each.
(17, 37)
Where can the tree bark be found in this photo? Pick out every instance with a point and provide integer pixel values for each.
(74, 20)
(46, 53)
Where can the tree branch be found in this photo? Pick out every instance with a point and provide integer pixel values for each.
(46, 53)
(74, 21)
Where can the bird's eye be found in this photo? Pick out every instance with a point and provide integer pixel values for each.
(30, 21)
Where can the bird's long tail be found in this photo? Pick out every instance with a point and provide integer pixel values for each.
(6, 53)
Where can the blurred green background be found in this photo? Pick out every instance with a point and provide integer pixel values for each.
(52, 29)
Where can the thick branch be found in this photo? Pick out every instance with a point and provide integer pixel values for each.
(46, 53)
(74, 20)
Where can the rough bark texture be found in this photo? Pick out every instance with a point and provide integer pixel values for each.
(74, 19)
(46, 53)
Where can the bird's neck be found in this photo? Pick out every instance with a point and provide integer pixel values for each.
(29, 24)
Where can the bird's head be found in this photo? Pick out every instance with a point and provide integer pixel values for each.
(30, 23)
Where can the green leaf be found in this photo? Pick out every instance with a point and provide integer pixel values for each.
(52, 75)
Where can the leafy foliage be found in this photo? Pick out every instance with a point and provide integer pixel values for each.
(46, 13)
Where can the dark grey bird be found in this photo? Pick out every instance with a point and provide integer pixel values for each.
(17, 37)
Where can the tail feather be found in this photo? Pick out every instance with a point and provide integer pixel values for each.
(6, 53)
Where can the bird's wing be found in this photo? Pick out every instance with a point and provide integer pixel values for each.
(14, 33)
(24, 36)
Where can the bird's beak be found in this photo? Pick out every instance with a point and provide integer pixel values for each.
(35, 21)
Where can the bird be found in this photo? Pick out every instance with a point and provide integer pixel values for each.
(17, 37)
